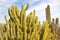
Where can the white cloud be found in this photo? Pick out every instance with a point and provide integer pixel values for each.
(4, 5)
(40, 9)
(7, 3)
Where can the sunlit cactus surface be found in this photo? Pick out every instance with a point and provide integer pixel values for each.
(28, 27)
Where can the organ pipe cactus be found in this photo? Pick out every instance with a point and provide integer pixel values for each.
(22, 27)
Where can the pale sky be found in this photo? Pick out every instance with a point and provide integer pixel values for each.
(38, 5)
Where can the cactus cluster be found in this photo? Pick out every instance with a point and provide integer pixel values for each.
(53, 24)
(22, 27)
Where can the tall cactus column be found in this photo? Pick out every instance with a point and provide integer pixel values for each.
(48, 15)
(1, 38)
(24, 23)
